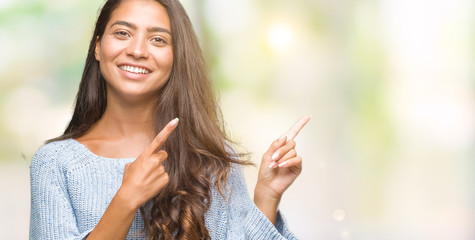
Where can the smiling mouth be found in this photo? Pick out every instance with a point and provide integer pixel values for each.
(132, 69)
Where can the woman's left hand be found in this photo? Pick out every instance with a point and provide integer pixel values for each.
(280, 167)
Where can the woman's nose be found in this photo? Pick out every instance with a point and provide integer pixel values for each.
(138, 47)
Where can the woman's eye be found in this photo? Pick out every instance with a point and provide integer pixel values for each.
(121, 33)
(159, 40)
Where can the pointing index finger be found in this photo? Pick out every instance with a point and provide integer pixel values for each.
(295, 129)
(162, 136)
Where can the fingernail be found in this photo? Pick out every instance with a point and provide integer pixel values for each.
(175, 121)
(281, 139)
(275, 156)
(283, 164)
(272, 165)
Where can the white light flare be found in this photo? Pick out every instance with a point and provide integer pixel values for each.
(280, 36)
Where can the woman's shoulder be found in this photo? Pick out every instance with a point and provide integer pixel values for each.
(55, 152)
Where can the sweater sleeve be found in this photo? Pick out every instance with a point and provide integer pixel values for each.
(243, 212)
(52, 215)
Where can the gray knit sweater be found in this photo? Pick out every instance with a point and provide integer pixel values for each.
(71, 188)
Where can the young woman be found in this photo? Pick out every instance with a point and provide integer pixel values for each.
(123, 170)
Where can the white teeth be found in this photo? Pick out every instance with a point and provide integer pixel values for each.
(134, 69)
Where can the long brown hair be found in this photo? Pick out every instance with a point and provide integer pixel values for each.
(197, 151)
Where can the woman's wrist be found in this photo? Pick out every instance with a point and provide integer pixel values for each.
(267, 201)
(122, 198)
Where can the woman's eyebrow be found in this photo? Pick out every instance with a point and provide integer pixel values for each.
(159, 29)
(133, 26)
(124, 23)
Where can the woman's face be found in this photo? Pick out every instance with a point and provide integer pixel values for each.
(135, 52)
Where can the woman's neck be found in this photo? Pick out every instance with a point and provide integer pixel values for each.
(126, 118)
(123, 131)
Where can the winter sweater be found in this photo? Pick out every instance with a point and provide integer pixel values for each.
(71, 188)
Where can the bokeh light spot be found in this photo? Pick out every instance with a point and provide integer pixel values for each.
(339, 215)
(280, 36)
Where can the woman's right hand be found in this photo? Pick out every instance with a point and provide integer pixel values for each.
(143, 179)
(146, 176)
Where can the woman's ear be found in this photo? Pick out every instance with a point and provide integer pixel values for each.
(97, 49)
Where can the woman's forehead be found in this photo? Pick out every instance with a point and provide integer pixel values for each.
(141, 13)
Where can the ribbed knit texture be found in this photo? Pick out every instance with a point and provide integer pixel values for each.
(71, 188)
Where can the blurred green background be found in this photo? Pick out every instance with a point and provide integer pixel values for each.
(388, 153)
